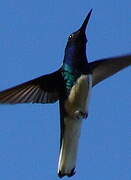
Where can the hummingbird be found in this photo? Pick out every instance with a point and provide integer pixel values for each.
(71, 85)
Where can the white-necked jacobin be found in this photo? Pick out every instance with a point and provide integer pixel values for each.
(71, 85)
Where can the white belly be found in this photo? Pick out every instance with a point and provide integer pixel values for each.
(78, 99)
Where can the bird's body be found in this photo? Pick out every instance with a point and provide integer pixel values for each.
(76, 108)
(76, 105)
(71, 85)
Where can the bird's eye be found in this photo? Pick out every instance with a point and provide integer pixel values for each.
(70, 36)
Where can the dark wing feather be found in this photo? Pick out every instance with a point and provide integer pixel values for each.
(45, 89)
(105, 68)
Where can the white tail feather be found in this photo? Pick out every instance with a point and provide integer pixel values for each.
(69, 147)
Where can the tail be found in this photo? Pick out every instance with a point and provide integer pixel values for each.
(69, 147)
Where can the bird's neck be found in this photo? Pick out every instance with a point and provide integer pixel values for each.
(76, 59)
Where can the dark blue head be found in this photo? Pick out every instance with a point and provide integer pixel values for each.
(75, 51)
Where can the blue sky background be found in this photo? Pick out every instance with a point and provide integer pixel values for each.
(33, 36)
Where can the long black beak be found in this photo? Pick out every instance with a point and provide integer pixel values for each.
(85, 23)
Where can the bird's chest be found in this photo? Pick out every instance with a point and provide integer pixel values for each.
(79, 95)
(69, 79)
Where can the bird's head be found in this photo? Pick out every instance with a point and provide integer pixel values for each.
(79, 36)
(76, 45)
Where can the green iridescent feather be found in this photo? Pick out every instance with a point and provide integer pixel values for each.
(69, 76)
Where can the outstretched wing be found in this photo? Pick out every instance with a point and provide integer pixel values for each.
(105, 68)
(45, 89)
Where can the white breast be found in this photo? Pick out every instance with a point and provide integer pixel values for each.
(78, 99)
